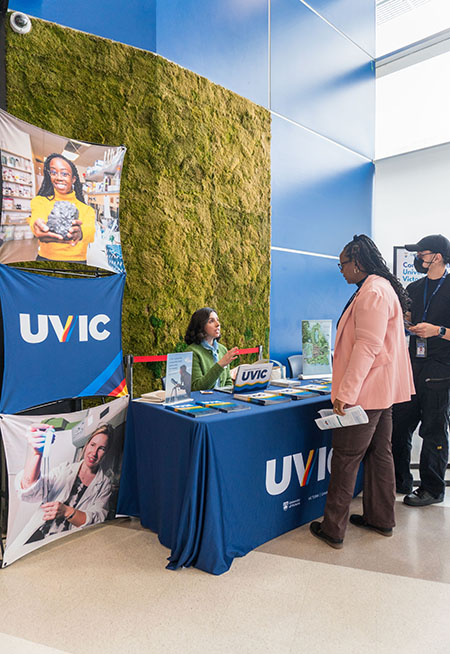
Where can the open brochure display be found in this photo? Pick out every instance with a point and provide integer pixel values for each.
(178, 377)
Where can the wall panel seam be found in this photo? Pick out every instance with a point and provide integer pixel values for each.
(310, 254)
(336, 28)
(322, 136)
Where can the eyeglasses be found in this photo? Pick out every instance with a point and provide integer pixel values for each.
(421, 255)
(56, 173)
(341, 265)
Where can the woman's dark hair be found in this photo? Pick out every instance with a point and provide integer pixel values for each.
(47, 189)
(195, 333)
(363, 251)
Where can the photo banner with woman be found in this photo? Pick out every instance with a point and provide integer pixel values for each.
(60, 197)
(63, 338)
(63, 473)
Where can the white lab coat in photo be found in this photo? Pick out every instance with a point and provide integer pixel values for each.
(94, 503)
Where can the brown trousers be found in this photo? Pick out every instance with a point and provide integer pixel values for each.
(370, 443)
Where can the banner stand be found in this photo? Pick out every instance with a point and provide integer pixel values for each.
(3, 498)
(61, 406)
(72, 273)
(87, 439)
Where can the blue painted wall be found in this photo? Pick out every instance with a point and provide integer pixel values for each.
(311, 64)
(323, 104)
(129, 21)
(223, 40)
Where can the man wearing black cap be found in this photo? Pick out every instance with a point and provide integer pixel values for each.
(429, 349)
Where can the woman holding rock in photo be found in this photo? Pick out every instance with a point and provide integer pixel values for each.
(60, 218)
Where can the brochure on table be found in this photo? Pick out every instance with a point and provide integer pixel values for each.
(316, 348)
(178, 377)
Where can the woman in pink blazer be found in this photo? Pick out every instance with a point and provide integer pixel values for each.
(371, 368)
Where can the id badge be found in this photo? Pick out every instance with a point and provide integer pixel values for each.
(421, 348)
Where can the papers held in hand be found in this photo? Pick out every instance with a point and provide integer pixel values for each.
(354, 415)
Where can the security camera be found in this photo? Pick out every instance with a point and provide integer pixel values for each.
(20, 23)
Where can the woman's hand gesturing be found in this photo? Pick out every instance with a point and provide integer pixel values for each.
(229, 357)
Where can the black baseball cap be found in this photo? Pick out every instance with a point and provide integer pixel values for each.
(434, 243)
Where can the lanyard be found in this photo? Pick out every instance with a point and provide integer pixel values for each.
(425, 293)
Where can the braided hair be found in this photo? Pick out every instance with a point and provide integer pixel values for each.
(47, 189)
(363, 251)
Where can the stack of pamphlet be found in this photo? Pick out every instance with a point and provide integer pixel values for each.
(296, 393)
(196, 410)
(286, 383)
(262, 398)
(225, 407)
(155, 397)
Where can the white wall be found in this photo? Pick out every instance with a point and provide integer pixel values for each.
(412, 107)
(412, 198)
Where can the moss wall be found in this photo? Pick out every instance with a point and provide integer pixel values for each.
(195, 195)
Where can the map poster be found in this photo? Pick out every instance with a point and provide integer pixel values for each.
(316, 347)
(178, 377)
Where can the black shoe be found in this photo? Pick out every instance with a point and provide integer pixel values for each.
(421, 497)
(316, 529)
(359, 521)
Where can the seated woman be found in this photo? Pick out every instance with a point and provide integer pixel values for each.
(210, 363)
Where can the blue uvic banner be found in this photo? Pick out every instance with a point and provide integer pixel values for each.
(62, 338)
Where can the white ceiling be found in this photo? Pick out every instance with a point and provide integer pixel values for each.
(402, 22)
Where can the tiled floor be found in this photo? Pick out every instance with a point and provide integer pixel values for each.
(107, 590)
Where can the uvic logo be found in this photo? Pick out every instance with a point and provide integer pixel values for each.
(36, 331)
(253, 375)
(319, 459)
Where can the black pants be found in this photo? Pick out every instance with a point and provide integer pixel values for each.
(430, 407)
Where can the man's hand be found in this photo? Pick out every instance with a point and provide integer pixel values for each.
(424, 329)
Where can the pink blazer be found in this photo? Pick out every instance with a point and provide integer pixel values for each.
(371, 364)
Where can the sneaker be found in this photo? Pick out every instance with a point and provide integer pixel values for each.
(316, 529)
(360, 521)
(421, 497)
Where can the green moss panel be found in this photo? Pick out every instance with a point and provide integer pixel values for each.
(195, 194)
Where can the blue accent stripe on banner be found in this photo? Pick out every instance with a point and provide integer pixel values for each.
(93, 387)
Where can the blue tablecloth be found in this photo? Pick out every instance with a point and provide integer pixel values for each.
(216, 487)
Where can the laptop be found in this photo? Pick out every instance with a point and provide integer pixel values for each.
(250, 378)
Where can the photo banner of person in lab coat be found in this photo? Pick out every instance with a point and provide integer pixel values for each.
(62, 338)
(60, 198)
(63, 473)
